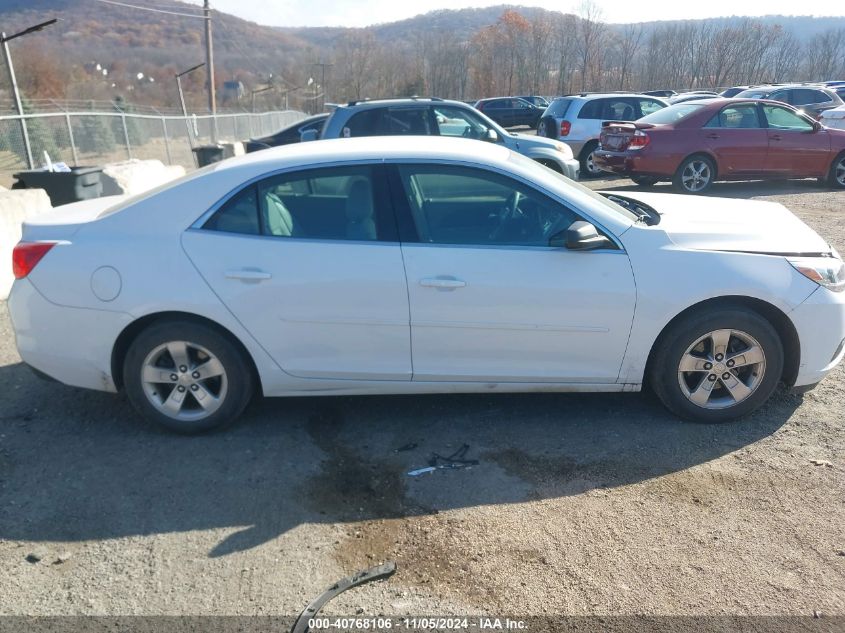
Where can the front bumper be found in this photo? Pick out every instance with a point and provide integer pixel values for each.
(820, 323)
(71, 345)
(571, 168)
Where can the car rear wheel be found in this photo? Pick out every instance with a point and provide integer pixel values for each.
(644, 181)
(187, 377)
(836, 177)
(695, 175)
(588, 163)
(718, 365)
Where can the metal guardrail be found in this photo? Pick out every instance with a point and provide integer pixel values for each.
(95, 138)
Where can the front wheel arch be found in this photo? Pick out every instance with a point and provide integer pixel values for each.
(777, 318)
(131, 331)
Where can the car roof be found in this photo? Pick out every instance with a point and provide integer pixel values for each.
(380, 103)
(369, 148)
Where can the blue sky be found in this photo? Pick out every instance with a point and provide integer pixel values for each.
(356, 14)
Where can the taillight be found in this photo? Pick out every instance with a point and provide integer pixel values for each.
(26, 256)
(638, 140)
(565, 126)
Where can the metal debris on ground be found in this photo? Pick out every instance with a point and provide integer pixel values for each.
(438, 462)
(362, 577)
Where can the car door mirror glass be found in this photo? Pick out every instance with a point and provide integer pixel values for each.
(491, 136)
(308, 135)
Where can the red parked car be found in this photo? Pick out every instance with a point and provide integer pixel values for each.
(697, 142)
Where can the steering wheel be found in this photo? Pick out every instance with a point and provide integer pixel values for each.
(510, 211)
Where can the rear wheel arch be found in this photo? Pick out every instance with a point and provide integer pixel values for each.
(131, 332)
(777, 319)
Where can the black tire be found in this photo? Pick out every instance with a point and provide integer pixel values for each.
(836, 175)
(237, 377)
(545, 128)
(644, 181)
(588, 166)
(666, 380)
(695, 186)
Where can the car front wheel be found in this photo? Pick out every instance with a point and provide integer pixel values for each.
(718, 365)
(836, 178)
(187, 377)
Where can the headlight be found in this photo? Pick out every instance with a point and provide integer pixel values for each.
(827, 272)
(563, 147)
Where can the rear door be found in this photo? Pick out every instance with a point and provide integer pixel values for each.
(795, 147)
(310, 264)
(737, 138)
(490, 299)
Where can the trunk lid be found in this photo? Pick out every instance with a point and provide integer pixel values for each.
(64, 221)
(616, 136)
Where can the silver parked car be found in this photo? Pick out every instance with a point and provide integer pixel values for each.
(576, 120)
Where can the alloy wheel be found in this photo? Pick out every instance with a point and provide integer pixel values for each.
(184, 381)
(721, 369)
(696, 176)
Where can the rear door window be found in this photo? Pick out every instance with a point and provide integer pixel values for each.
(410, 121)
(591, 109)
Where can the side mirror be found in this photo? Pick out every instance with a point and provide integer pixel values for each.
(491, 136)
(308, 135)
(817, 126)
(580, 236)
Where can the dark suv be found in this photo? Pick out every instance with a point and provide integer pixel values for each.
(510, 111)
(812, 100)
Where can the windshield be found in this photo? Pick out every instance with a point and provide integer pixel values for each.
(671, 114)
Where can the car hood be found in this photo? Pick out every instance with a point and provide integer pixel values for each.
(528, 141)
(726, 224)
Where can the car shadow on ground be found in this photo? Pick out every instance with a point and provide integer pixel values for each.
(737, 189)
(78, 465)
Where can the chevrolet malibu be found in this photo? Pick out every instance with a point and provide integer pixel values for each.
(379, 266)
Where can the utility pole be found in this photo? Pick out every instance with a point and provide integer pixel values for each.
(14, 83)
(209, 62)
(323, 84)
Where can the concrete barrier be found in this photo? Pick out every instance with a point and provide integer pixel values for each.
(135, 176)
(16, 206)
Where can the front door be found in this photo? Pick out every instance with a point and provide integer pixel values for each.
(490, 300)
(310, 264)
(796, 147)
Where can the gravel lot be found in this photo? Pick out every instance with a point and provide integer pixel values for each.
(581, 504)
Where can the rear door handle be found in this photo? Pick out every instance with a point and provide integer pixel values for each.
(248, 275)
(445, 283)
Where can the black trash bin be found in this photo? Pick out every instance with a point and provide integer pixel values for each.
(207, 154)
(63, 187)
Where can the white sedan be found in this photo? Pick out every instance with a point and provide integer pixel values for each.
(392, 265)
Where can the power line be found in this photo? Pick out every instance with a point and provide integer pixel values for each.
(135, 6)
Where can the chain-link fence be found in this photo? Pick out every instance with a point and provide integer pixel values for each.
(96, 138)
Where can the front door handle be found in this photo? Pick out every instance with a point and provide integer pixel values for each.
(444, 283)
(248, 274)
(775, 137)
(713, 135)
